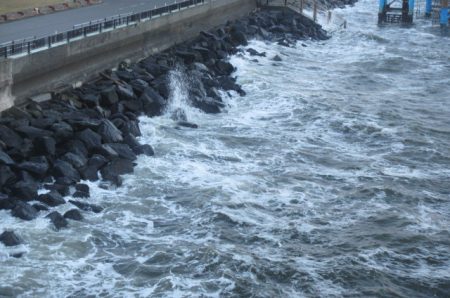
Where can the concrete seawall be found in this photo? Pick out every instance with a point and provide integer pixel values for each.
(79, 60)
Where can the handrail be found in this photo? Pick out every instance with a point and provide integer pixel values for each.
(310, 9)
(29, 45)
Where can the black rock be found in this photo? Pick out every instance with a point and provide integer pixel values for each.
(77, 161)
(40, 207)
(131, 141)
(24, 211)
(5, 159)
(58, 220)
(91, 100)
(187, 124)
(7, 176)
(277, 58)
(87, 207)
(81, 194)
(134, 105)
(97, 161)
(73, 214)
(44, 146)
(138, 86)
(207, 105)
(62, 189)
(9, 238)
(225, 68)
(109, 97)
(10, 137)
(188, 57)
(37, 166)
(89, 173)
(62, 131)
(238, 36)
(123, 150)
(90, 138)
(125, 93)
(75, 146)
(52, 199)
(107, 151)
(6, 203)
(145, 149)
(33, 132)
(63, 169)
(254, 52)
(109, 132)
(153, 103)
(113, 170)
(24, 191)
(82, 187)
(132, 127)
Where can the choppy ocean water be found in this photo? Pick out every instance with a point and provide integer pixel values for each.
(329, 179)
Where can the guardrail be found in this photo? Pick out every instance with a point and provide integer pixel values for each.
(311, 9)
(29, 45)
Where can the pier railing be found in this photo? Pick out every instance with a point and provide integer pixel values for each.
(33, 44)
(313, 9)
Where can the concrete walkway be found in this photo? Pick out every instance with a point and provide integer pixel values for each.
(62, 21)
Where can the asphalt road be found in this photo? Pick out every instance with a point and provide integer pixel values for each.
(65, 20)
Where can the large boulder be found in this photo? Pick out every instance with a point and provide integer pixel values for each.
(24, 191)
(33, 132)
(112, 171)
(76, 160)
(90, 138)
(153, 103)
(44, 146)
(63, 169)
(109, 132)
(9, 238)
(109, 97)
(5, 158)
(123, 150)
(37, 166)
(62, 131)
(24, 211)
(86, 206)
(7, 176)
(6, 203)
(58, 220)
(10, 137)
(73, 214)
(52, 199)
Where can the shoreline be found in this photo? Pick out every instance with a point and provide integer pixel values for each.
(92, 130)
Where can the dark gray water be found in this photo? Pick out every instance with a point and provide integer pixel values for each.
(330, 179)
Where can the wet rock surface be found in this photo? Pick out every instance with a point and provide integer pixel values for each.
(91, 132)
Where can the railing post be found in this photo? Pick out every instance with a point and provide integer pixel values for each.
(29, 47)
(428, 7)
(49, 42)
(301, 6)
(315, 11)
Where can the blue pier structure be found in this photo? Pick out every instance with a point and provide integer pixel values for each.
(396, 11)
(443, 15)
(403, 11)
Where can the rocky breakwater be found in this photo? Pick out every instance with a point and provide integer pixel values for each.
(91, 132)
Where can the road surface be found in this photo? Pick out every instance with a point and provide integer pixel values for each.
(62, 21)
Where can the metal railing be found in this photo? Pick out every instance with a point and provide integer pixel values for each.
(29, 45)
(311, 9)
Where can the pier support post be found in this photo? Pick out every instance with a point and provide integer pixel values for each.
(428, 7)
(443, 20)
(410, 11)
(381, 11)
